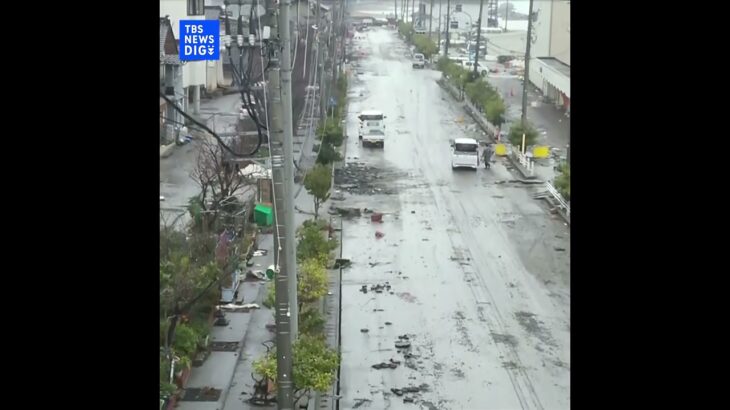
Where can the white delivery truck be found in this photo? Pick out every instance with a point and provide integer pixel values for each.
(372, 128)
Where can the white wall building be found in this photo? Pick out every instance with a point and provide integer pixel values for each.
(193, 72)
(550, 52)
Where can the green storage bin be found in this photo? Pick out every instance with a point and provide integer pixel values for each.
(263, 215)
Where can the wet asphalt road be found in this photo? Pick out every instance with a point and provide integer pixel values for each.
(476, 281)
(176, 185)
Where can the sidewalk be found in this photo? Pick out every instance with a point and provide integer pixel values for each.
(553, 125)
(220, 368)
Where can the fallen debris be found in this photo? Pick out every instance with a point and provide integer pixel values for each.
(384, 365)
(360, 402)
(388, 323)
(560, 249)
(232, 307)
(260, 252)
(402, 344)
(379, 288)
(255, 275)
(364, 330)
(379, 234)
(341, 263)
(348, 212)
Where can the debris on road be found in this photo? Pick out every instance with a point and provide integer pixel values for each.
(364, 289)
(364, 330)
(378, 310)
(560, 249)
(260, 252)
(360, 402)
(378, 288)
(362, 179)
(402, 344)
(388, 323)
(255, 275)
(406, 296)
(231, 307)
(348, 212)
(341, 263)
(379, 234)
(390, 365)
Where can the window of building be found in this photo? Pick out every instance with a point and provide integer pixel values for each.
(196, 7)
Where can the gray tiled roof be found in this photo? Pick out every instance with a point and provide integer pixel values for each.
(164, 26)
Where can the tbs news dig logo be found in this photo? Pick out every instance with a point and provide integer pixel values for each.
(200, 40)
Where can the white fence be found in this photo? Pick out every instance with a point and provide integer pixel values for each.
(525, 161)
(554, 192)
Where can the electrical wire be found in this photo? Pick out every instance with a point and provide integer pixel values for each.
(306, 46)
(171, 121)
(242, 80)
(205, 128)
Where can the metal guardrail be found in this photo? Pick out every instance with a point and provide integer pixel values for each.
(554, 192)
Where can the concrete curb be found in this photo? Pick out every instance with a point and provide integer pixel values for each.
(559, 210)
(166, 150)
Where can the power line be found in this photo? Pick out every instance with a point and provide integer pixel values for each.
(205, 128)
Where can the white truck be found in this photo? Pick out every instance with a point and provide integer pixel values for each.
(419, 61)
(372, 128)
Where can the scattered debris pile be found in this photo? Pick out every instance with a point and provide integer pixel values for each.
(362, 179)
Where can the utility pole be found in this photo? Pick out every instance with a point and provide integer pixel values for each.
(439, 36)
(413, 11)
(284, 362)
(286, 101)
(320, 61)
(430, 20)
(336, 10)
(479, 37)
(405, 12)
(395, 5)
(448, 23)
(283, 312)
(506, 15)
(526, 77)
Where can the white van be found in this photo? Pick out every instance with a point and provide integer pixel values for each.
(465, 153)
(419, 61)
(372, 128)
